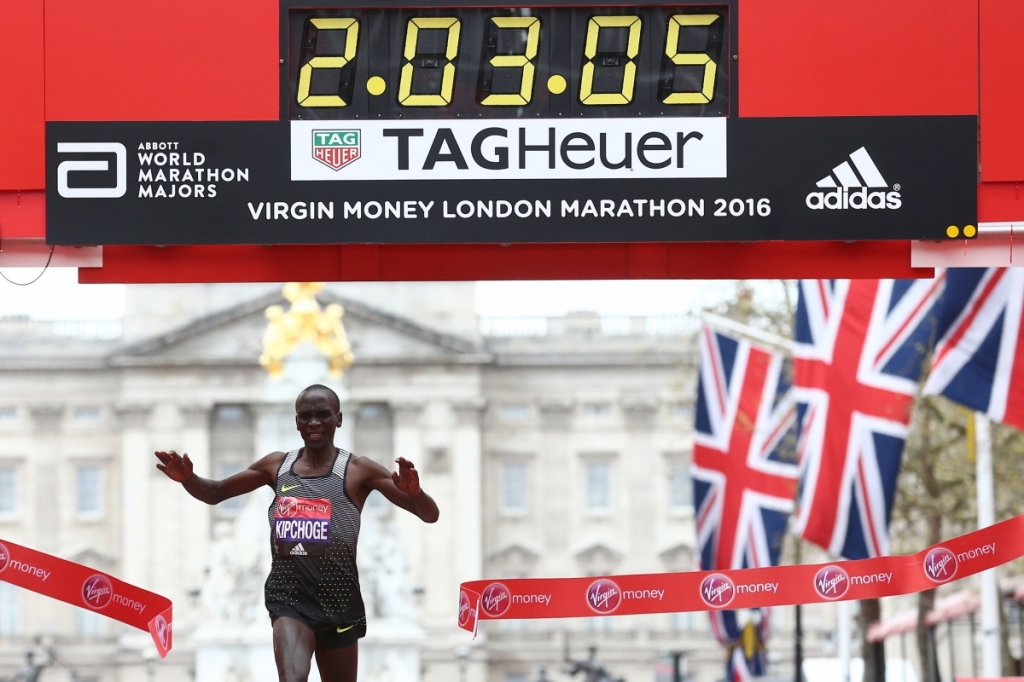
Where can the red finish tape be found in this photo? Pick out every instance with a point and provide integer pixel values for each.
(88, 588)
(623, 595)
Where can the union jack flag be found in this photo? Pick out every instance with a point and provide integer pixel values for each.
(744, 468)
(857, 360)
(975, 359)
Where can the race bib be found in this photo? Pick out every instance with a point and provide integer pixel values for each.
(302, 527)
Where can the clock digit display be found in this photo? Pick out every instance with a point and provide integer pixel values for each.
(524, 30)
(530, 62)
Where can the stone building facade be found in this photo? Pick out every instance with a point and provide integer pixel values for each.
(555, 447)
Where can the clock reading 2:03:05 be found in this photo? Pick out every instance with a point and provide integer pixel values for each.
(509, 63)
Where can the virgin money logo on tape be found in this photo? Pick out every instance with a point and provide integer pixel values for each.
(495, 600)
(465, 609)
(97, 591)
(717, 590)
(831, 582)
(940, 565)
(604, 596)
(5, 556)
(163, 631)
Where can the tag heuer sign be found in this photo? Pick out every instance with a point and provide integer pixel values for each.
(336, 148)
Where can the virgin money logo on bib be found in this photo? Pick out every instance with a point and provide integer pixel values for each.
(604, 596)
(97, 591)
(5, 556)
(940, 565)
(717, 590)
(299, 520)
(465, 609)
(495, 600)
(831, 582)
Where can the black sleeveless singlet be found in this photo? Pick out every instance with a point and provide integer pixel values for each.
(314, 526)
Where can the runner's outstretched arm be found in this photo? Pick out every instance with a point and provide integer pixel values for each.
(179, 468)
(401, 488)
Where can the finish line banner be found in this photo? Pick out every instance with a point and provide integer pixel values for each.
(626, 595)
(89, 589)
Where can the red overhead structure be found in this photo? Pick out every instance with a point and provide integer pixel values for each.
(212, 60)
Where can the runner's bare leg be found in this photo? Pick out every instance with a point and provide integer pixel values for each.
(294, 644)
(338, 665)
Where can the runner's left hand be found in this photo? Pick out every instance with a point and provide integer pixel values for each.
(406, 479)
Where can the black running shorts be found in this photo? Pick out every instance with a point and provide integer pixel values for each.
(328, 635)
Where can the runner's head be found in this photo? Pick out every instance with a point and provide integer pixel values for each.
(320, 388)
(317, 415)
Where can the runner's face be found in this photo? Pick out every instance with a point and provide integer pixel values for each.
(316, 418)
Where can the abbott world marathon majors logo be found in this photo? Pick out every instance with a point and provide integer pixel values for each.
(855, 184)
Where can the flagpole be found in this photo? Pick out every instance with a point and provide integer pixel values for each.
(844, 634)
(990, 646)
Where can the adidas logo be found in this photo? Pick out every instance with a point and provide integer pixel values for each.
(850, 183)
(298, 550)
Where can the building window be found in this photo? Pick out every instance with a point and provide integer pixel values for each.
(235, 504)
(683, 411)
(599, 487)
(89, 623)
(89, 492)
(87, 414)
(515, 677)
(8, 501)
(8, 414)
(680, 485)
(597, 410)
(230, 413)
(514, 413)
(685, 621)
(513, 487)
(10, 610)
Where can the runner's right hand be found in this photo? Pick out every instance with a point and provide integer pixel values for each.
(176, 467)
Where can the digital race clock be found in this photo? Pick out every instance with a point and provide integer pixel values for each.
(545, 62)
(456, 121)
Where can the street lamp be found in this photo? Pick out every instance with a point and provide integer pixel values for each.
(150, 656)
(462, 654)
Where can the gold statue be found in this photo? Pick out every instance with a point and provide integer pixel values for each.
(305, 322)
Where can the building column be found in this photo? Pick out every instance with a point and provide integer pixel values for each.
(467, 475)
(556, 466)
(638, 465)
(45, 463)
(195, 516)
(136, 462)
(408, 442)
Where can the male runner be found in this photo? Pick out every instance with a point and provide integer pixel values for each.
(312, 592)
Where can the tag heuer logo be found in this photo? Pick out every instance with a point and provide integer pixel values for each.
(336, 148)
